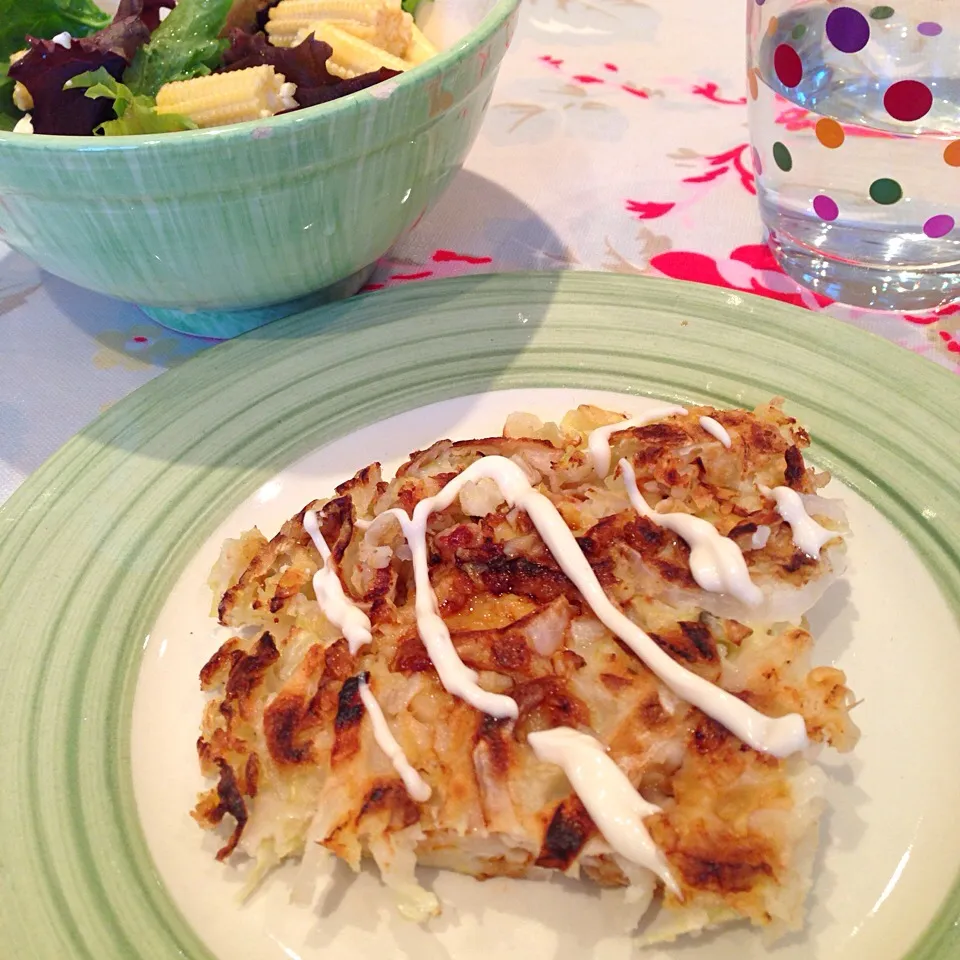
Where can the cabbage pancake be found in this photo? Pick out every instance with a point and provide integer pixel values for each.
(611, 643)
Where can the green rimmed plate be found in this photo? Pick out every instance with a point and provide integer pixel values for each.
(93, 543)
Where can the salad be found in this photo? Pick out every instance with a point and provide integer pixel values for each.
(158, 66)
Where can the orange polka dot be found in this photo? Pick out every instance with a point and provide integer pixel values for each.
(753, 84)
(772, 26)
(952, 154)
(830, 133)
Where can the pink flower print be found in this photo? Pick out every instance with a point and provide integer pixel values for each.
(722, 163)
(649, 211)
(711, 92)
(753, 268)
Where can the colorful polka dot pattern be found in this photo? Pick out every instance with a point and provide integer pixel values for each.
(787, 65)
(908, 100)
(825, 207)
(830, 133)
(782, 157)
(939, 226)
(848, 31)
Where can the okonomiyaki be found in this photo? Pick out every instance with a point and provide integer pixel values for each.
(576, 648)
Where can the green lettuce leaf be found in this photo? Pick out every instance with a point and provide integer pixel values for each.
(9, 114)
(136, 113)
(187, 44)
(46, 18)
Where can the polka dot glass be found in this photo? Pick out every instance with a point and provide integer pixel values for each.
(855, 129)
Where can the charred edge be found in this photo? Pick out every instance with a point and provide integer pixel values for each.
(411, 657)
(719, 876)
(231, 802)
(228, 654)
(523, 577)
(337, 517)
(545, 703)
(743, 529)
(248, 671)
(391, 797)
(490, 731)
(699, 635)
(251, 775)
(709, 736)
(569, 829)
(798, 560)
(349, 704)
(796, 469)
(661, 433)
(281, 722)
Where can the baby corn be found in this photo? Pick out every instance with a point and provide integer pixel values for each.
(22, 99)
(222, 98)
(352, 56)
(288, 18)
(419, 48)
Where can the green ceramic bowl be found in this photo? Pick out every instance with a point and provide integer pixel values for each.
(217, 231)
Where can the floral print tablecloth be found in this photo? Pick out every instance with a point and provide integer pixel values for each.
(616, 140)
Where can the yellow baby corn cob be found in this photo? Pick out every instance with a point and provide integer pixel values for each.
(351, 55)
(392, 30)
(21, 95)
(289, 17)
(420, 48)
(222, 98)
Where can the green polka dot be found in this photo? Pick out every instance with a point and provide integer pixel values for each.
(798, 31)
(782, 158)
(885, 191)
(881, 13)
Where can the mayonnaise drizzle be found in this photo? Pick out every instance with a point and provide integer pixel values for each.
(777, 736)
(808, 535)
(339, 609)
(416, 786)
(611, 800)
(598, 444)
(455, 675)
(716, 562)
(717, 430)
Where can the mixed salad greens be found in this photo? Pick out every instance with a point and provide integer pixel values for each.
(67, 67)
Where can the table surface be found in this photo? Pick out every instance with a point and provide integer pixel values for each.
(616, 140)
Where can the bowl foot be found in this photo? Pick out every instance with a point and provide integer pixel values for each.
(226, 324)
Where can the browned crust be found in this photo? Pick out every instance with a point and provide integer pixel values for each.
(569, 829)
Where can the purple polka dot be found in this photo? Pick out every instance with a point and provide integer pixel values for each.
(939, 226)
(757, 163)
(825, 207)
(929, 29)
(848, 29)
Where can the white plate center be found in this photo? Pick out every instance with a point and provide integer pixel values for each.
(891, 839)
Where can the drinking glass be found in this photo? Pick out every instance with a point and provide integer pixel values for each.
(855, 124)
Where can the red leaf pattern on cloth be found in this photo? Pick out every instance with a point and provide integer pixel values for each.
(649, 211)
(699, 268)
(711, 92)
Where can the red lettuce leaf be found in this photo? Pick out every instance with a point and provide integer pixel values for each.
(147, 11)
(305, 65)
(311, 96)
(48, 66)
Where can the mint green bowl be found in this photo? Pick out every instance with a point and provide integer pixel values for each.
(215, 232)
